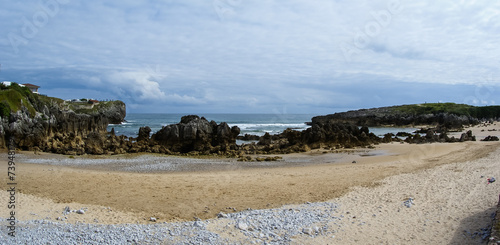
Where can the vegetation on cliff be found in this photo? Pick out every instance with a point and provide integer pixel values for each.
(478, 112)
(14, 97)
(38, 122)
(42, 123)
(450, 115)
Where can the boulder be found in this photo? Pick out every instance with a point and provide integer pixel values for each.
(490, 138)
(467, 137)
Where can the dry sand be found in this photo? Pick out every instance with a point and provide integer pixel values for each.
(444, 180)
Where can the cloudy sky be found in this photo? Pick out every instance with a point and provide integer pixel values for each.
(242, 56)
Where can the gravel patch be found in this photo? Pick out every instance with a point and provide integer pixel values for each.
(270, 226)
(143, 163)
(153, 163)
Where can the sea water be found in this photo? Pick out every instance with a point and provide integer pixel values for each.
(255, 124)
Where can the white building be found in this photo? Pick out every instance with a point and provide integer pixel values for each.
(34, 88)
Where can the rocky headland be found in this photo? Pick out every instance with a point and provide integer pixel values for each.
(446, 115)
(40, 123)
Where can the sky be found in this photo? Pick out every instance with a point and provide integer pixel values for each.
(241, 56)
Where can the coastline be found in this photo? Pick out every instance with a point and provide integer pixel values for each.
(181, 196)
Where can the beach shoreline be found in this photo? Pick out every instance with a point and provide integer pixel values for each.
(117, 197)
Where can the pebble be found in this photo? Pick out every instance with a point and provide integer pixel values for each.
(242, 226)
(408, 203)
(221, 215)
(268, 226)
(307, 231)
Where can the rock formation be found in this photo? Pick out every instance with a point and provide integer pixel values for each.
(448, 115)
(49, 124)
(322, 134)
(41, 123)
(197, 134)
(490, 138)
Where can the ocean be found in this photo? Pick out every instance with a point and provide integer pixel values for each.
(255, 124)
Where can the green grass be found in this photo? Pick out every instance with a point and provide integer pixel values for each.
(12, 100)
(50, 100)
(101, 106)
(434, 108)
(451, 108)
(14, 97)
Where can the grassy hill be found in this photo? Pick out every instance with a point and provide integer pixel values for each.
(13, 98)
(449, 114)
(479, 112)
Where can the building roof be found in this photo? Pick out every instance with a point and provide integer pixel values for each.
(29, 85)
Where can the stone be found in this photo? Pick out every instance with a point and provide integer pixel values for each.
(490, 138)
(307, 231)
(199, 224)
(222, 215)
(242, 226)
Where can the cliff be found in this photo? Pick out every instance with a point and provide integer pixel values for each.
(449, 115)
(37, 122)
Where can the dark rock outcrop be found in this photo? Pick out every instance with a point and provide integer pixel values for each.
(467, 136)
(321, 134)
(383, 117)
(144, 133)
(197, 134)
(490, 138)
(248, 137)
(52, 125)
(448, 115)
(333, 133)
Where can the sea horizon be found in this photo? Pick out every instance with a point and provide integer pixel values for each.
(249, 123)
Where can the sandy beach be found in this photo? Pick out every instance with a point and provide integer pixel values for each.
(446, 181)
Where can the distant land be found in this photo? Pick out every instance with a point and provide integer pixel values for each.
(449, 115)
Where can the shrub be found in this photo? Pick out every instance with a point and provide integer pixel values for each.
(4, 109)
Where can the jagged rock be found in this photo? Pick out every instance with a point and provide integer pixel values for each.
(333, 133)
(50, 126)
(248, 137)
(467, 137)
(197, 134)
(144, 133)
(265, 140)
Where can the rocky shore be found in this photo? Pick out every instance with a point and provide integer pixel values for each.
(448, 203)
(51, 125)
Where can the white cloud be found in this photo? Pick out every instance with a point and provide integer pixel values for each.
(260, 53)
(137, 86)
